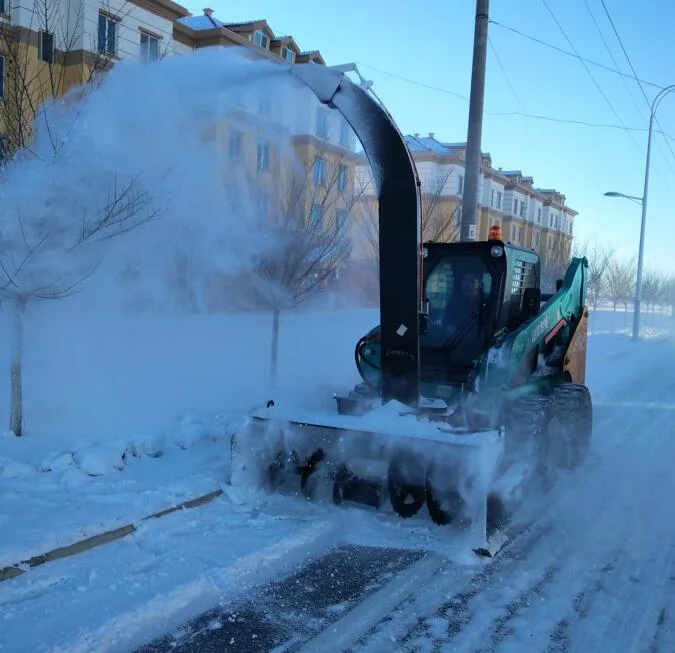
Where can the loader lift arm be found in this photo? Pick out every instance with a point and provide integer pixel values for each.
(398, 193)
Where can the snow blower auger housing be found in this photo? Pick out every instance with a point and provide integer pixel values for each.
(472, 382)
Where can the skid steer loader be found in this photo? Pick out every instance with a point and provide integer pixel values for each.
(472, 381)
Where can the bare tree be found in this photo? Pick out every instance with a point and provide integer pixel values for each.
(652, 281)
(43, 257)
(440, 221)
(303, 215)
(554, 262)
(53, 242)
(620, 282)
(668, 292)
(599, 258)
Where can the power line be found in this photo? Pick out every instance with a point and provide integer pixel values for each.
(522, 114)
(570, 54)
(602, 93)
(506, 76)
(616, 63)
(630, 63)
(590, 74)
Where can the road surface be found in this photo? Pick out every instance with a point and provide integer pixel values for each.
(589, 567)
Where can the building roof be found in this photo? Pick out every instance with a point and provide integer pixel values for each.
(199, 23)
(207, 21)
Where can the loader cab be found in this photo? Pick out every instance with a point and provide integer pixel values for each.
(463, 293)
(474, 292)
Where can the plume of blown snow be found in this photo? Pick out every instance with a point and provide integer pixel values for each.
(159, 133)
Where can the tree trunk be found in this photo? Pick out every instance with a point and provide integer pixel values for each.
(274, 358)
(16, 307)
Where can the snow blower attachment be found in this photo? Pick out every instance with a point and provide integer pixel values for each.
(472, 383)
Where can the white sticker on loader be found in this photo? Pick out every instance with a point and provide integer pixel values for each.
(401, 331)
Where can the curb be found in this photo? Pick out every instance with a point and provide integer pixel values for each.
(12, 571)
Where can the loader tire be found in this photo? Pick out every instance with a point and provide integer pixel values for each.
(445, 505)
(526, 423)
(572, 407)
(405, 485)
(527, 420)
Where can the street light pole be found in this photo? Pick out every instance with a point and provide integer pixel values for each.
(643, 200)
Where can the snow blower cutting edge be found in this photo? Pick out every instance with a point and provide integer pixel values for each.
(472, 384)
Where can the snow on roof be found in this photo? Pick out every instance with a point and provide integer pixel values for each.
(247, 24)
(199, 23)
(427, 144)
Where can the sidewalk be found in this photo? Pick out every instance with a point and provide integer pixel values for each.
(55, 500)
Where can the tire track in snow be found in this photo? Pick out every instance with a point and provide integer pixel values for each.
(403, 626)
(560, 640)
(664, 633)
(599, 529)
(620, 432)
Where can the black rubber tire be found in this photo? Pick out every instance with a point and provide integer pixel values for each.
(527, 420)
(444, 508)
(402, 488)
(310, 466)
(526, 417)
(572, 405)
(342, 477)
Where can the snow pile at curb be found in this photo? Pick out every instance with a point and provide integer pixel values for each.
(54, 499)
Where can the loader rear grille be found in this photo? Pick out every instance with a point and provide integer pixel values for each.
(524, 276)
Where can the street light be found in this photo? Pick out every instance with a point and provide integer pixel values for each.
(613, 193)
(643, 200)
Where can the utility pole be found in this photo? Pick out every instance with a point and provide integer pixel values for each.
(469, 226)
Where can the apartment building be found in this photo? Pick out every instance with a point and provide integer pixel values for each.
(51, 45)
(528, 216)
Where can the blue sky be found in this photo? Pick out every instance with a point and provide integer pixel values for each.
(431, 44)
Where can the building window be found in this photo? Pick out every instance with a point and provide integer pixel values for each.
(149, 47)
(492, 197)
(513, 233)
(3, 9)
(321, 123)
(340, 222)
(261, 39)
(342, 177)
(263, 156)
(523, 209)
(107, 35)
(499, 199)
(460, 184)
(316, 216)
(234, 145)
(319, 171)
(46, 47)
(287, 54)
(539, 216)
(515, 207)
(2, 76)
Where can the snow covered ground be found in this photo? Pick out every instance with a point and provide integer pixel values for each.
(100, 453)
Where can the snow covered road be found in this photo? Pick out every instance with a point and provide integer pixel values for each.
(595, 570)
(590, 567)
